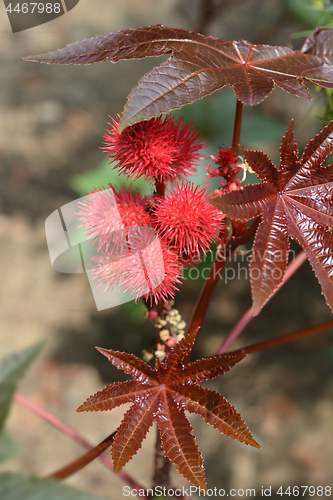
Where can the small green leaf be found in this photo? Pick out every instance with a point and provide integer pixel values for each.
(8, 448)
(12, 369)
(19, 487)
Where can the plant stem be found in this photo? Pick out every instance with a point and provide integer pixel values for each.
(286, 339)
(70, 432)
(237, 330)
(160, 188)
(209, 286)
(162, 470)
(162, 465)
(51, 419)
(84, 460)
(248, 316)
(237, 126)
(207, 292)
(222, 252)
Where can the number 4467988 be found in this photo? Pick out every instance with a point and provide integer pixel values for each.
(30, 8)
(311, 491)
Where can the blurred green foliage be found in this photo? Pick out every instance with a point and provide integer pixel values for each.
(328, 109)
(8, 449)
(311, 12)
(12, 369)
(22, 487)
(101, 176)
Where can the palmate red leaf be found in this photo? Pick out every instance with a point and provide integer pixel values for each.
(162, 395)
(178, 441)
(216, 411)
(320, 42)
(199, 65)
(132, 430)
(295, 201)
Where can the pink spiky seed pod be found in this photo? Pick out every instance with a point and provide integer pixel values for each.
(161, 149)
(186, 220)
(144, 267)
(107, 213)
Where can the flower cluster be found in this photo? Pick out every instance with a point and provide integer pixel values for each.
(228, 167)
(170, 330)
(143, 242)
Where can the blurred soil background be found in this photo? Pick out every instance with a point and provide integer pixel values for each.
(52, 121)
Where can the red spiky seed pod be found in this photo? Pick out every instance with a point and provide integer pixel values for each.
(144, 267)
(162, 149)
(186, 220)
(106, 215)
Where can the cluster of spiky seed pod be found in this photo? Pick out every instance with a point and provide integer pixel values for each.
(142, 243)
